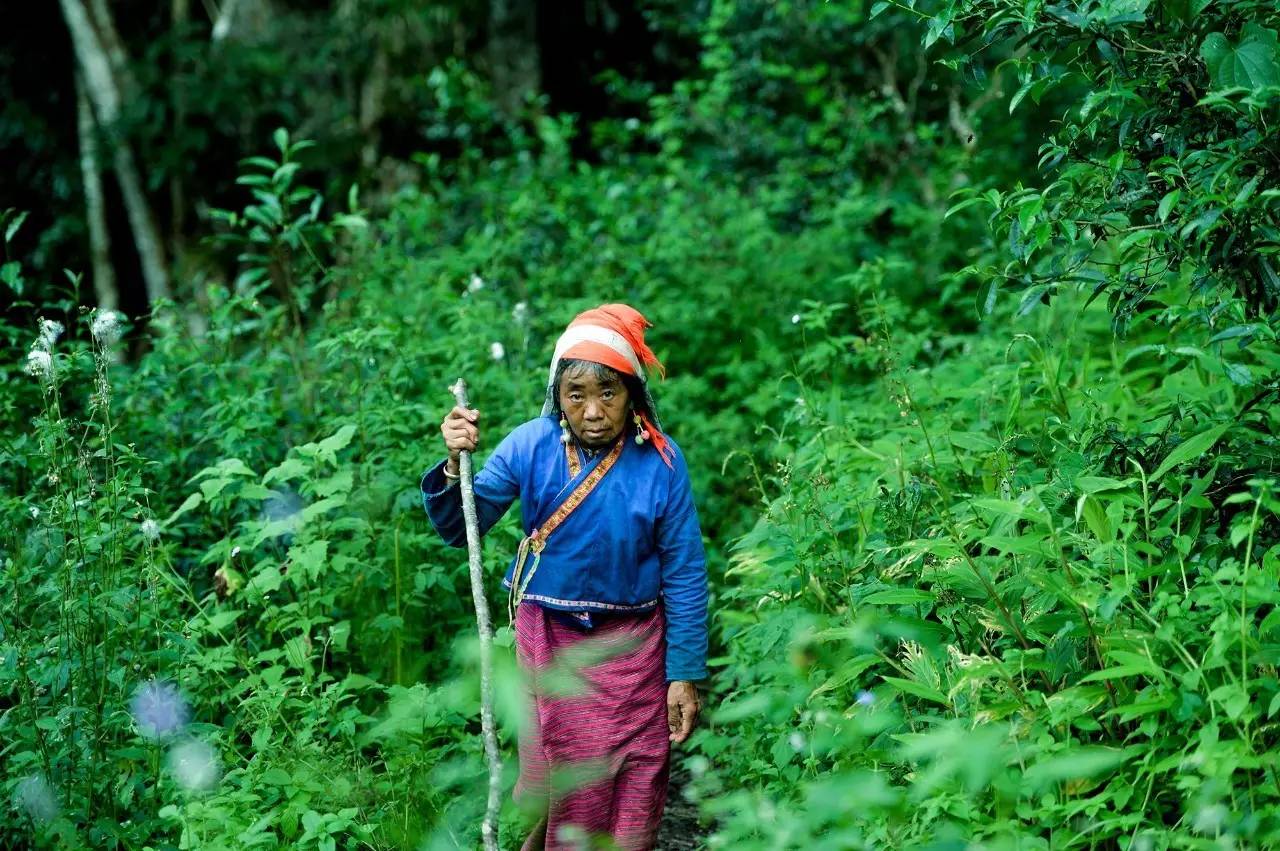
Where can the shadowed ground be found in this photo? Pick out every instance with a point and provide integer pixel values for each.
(679, 829)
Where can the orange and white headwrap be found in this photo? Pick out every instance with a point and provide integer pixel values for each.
(613, 335)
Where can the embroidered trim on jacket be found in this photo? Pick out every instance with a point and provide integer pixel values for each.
(556, 601)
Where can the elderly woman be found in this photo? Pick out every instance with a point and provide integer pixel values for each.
(609, 581)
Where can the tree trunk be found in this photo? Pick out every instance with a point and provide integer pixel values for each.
(222, 26)
(104, 93)
(105, 26)
(372, 100)
(146, 236)
(104, 277)
(513, 52)
(180, 14)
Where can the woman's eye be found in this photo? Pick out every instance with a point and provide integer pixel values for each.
(607, 395)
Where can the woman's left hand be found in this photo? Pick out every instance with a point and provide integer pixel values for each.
(683, 707)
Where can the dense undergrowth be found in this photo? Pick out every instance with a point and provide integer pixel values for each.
(1031, 578)
(985, 571)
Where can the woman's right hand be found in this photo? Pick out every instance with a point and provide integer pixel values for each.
(460, 433)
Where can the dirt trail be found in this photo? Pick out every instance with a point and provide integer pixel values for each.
(679, 830)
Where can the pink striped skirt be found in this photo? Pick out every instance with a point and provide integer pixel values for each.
(594, 752)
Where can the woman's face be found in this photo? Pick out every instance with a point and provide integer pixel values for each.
(596, 404)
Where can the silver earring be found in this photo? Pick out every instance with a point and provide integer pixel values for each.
(564, 429)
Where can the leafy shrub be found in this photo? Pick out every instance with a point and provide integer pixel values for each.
(1026, 596)
(1025, 578)
(993, 576)
(308, 600)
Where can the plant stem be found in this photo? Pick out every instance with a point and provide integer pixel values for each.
(395, 538)
(1244, 594)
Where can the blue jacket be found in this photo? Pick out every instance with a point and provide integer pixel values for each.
(633, 540)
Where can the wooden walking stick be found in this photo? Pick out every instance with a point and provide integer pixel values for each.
(489, 829)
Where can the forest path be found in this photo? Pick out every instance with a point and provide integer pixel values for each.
(680, 829)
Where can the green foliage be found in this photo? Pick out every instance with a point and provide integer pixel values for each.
(1017, 589)
(1162, 167)
(1250, 64)
(1007, 582)
(281, 238)
(826, 118)
(984, 572)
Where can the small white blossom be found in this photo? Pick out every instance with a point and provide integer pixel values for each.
(40, 363)
(106, 327)
(520, 313)
(496, 351)
(796, 740)
(194, 765)
(865, 698)
(476, 284)
(35, 512)
(50, 331)
(1210, 819)
(35, 797)
(150, 529)
(235, 551)
(795, 319)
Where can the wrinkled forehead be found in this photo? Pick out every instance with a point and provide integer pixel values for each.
(590, 376)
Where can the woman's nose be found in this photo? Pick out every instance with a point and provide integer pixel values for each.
(593, 411)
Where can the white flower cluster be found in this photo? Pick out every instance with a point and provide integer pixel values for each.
(520, 313)
(476, 284)
(40, 358)
(40, 364)
(150, 530)
(106, 327)
(497, 351)
(50, 331)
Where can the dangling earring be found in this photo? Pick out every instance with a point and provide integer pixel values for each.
(641, 434)
(564, 429)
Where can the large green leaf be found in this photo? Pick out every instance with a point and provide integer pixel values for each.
(917, 689)
(1192, 447)
(847, 673)
(1251, 63)
(329, 447)
(898, 597)
(1074, 763)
